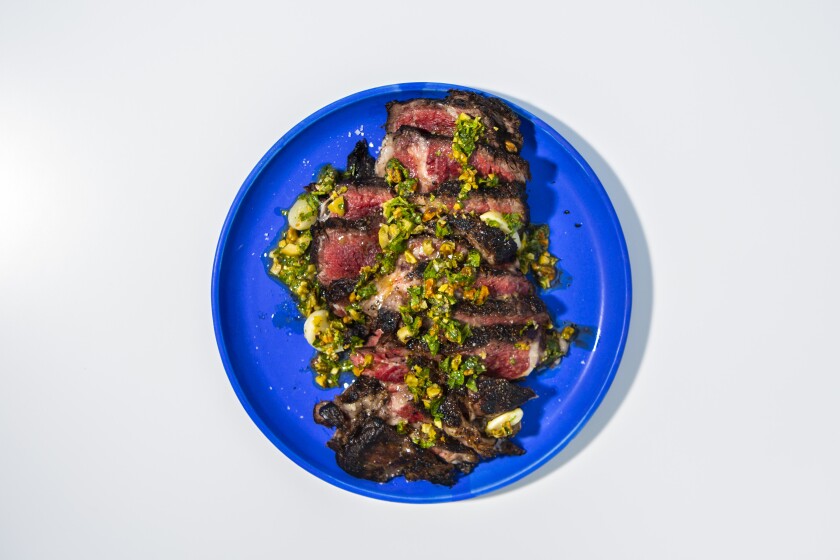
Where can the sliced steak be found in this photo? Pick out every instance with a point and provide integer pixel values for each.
(419, 245)
(438, 116)
(389, 361)
(457, 425)
(457, 454)
(367, 396)
(392, 293)
(428, 159)
(509, 311)
(367, 445)
(401, 406)
(360, 199)
(494, 397)
(509, 351)
(375, 451)
(340, 248)
(503, 282)
(507, 198)
(363, 397)
(495, 246)
(494, 109)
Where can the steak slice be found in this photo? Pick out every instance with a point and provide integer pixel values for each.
(509, 352)
(340, 248)
(492, 107)
(428, 159)
(361, 199)
(507, 198)
(457, 454)
(496, 396)
(509, 311)
(367, 445)
(389, 361)
(438, 116)
(471, 433)
(495, 246)
(392, 289)
(375, 451)
(503, 282)
(362, 397)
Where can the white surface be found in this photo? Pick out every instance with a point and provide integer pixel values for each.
(126, 130)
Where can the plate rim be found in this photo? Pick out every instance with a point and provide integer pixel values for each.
(216, 302)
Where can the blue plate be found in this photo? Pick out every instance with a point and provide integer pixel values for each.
(260, 336)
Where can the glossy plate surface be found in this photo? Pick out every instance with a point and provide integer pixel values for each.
(261, 340)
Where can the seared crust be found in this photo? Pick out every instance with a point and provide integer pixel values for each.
(508, 311)
(495, 246)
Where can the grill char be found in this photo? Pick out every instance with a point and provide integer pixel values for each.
(360, 164)
(508, 311)
(368, 446)
(495, 246)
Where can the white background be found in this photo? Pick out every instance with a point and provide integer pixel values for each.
(127, 129)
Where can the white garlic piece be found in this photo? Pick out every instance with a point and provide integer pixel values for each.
(316, 323)
(498, 220)
(501, 425)
(301, 216)
(493, 216)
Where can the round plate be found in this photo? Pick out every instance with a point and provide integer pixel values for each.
(260, 335)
